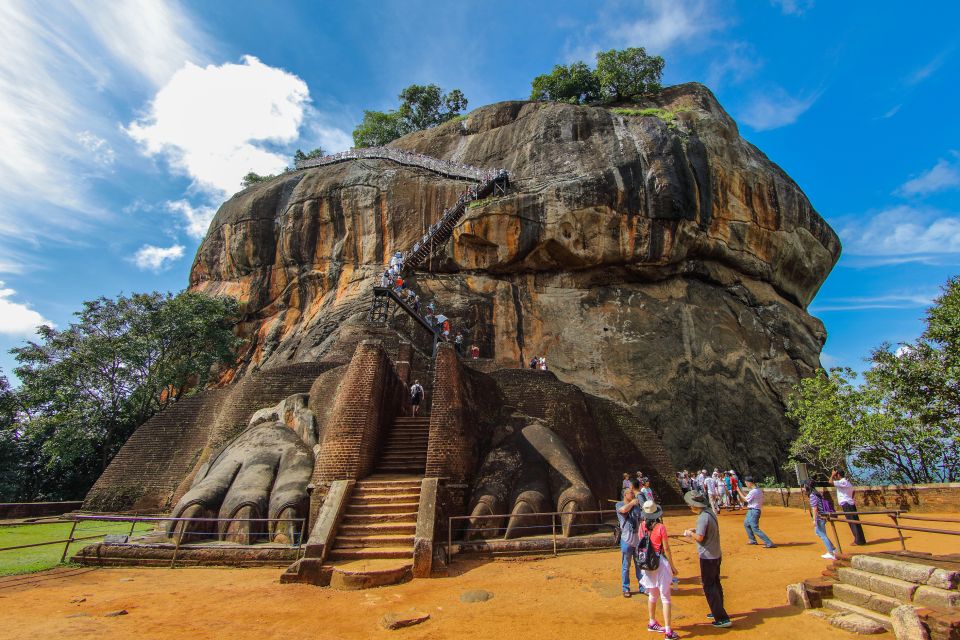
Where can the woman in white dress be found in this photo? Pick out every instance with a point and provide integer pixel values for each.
(657, 582)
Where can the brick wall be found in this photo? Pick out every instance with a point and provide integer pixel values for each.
(369, 397)
(942, 498)
(464, 403)
(155, 467)
(144, 474)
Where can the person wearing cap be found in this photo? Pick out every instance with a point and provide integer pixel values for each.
(658, 581)
(707, 536)
(751, 522)
(628, 514)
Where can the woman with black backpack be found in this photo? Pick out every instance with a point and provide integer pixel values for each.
(820, 505)
(657, 566)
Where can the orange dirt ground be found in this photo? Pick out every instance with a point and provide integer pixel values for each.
(576, 595)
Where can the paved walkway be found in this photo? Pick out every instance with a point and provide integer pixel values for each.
(573, 596)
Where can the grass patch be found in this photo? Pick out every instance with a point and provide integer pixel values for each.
(668, 116)
(48, 556)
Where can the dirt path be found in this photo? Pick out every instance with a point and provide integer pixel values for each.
(574, 596)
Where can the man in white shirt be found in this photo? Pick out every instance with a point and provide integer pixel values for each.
(711, 485)
(751, 522)
(845, 497)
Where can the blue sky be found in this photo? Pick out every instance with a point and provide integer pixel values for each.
(123, 125)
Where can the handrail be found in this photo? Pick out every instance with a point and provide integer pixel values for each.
(445, 167)
(553, 524)
(895, 515)
(387, 291)
(134, 520)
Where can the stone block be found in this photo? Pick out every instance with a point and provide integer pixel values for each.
(944, 579)
(907, 625)
(797, 596)
(394, 621)
(855, 623)
(907, 571)
(891, 587)
(864, 598)
(934, 597)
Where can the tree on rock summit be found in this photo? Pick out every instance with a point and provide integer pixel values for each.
(421, 107)
(620, 75)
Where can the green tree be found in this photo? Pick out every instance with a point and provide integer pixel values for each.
(378, 128)
(628, 74)
(421, 107)
(87, 387)
(253, 178)
(902, 422)
(620, 75)
(300, 156)
(576, 84)
(9, 443)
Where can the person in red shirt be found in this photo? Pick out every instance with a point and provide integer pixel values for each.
(474, 352)
(658, 582)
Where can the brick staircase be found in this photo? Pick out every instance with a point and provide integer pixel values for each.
(867, 593)
(404, 450)
(379, 521)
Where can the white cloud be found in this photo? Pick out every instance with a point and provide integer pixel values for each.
(944, 175)
(928, 69)
(99, 149)
(17, 318)
(775, 108)
(211, 122)
(197, 219)
(891, 112)
(793, 7)
(58, 70)
(657, 25)
(890, 301)
(149, 257)
(737, 63)
(902, 231)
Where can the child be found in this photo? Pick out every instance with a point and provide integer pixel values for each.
(658, 582)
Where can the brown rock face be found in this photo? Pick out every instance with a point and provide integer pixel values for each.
(665, 267)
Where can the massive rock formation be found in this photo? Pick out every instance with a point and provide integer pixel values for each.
(663, 263)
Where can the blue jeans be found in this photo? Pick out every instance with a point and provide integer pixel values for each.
(626, 554)
(820, 528)
(752, 524)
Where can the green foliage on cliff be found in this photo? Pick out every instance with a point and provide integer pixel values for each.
(421, 107)
(901, 423)
(255, 178)
(85, 388)
(620, 75)
(300, 156)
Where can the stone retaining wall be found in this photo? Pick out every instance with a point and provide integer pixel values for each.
(939, 498)
(17, 510)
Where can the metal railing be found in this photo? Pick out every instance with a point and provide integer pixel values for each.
(165, 525)
(894, 514)
(436, 165)
(555, 521)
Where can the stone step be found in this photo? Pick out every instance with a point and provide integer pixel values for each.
(392, 483)
(377, 509)
(845, 607)
(402, 468)
(386, 490)
(866, 599)
(385, 498)
(371, 553)
(891, 587)
(424, 420)
(382, 540)
(406, 517)
(389, 528)
(415, 445)
(403, 456)
(900, 569)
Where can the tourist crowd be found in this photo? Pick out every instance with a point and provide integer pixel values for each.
(644, 540)
(392, 278)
